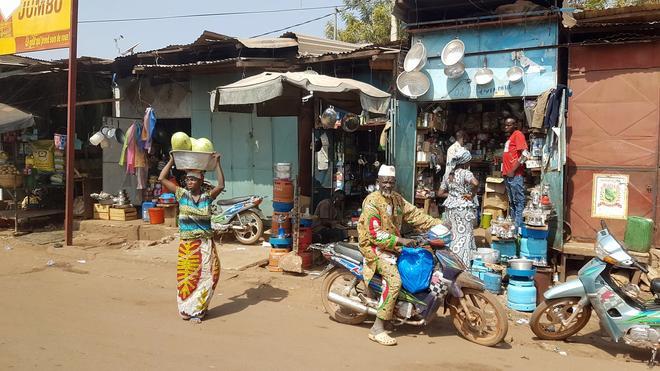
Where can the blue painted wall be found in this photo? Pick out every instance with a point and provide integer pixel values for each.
(249, 144)
(492, 40)
(404, 152)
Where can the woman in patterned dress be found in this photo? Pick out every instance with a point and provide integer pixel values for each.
(460, 206)
(198, 265)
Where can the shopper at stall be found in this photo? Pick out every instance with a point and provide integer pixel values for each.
(513, 169)
(461, 209)
(327, 226)
(461, 137)
(198, 265)
(383, 212)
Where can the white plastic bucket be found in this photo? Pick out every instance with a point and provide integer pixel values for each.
(97, 138)
(282, 170)
(189, 160)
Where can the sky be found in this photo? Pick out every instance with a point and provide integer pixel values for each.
(97, 39)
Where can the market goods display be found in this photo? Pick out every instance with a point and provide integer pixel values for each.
(8, 169)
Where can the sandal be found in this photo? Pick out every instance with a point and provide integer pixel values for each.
(383, 339)
(195, 320)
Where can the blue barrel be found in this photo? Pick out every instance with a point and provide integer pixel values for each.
(493, 282)
(145, 210)
(534, 249)
(521, 295)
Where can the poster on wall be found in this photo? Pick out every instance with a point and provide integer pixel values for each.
(610, 196)
(31, 25)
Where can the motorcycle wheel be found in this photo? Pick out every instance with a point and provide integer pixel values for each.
(486, 324)
(339, 281)
(255, 228)
(546, 322)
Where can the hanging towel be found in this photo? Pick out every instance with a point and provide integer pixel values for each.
(129, 133)
(539, 110)
(148, 127)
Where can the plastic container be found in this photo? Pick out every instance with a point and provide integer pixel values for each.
(304, 238)
(282, 190)
(156, 215)
(521, 295)
(282, 170)
(532, 232)
(639, 234)
(306, 222)
(534, 249)
(485, 220)
(507, 248)
(493, 282)
(145, 210)
(282, 207)
(189, 160)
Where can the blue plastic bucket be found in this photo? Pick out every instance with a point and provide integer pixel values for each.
(493, 282)
(282, 207)
(145, 210)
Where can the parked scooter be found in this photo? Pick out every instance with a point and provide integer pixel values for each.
(567, 307)
(477, 314)
(240, 216)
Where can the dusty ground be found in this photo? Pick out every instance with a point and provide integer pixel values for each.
(113, 307)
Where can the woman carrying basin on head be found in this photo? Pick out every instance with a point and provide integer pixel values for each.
(198, 265)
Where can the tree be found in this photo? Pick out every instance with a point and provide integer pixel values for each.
(367, 21)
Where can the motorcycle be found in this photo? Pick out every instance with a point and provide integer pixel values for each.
(476, 314)
(240, 216)
(567, 307)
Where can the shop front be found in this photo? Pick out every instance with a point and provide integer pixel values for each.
(462, 83)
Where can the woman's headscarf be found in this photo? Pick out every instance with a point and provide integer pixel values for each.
(463, 156)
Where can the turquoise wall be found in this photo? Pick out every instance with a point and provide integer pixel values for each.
(405, 137)
(491, 41)
(249, 144)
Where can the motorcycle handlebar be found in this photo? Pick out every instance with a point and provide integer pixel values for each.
(636, 264)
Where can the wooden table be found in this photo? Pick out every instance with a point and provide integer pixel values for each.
(581, 250)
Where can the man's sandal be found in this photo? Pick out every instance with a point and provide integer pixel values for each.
(383, 338)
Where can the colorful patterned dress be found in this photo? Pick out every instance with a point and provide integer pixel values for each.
(198, 265)
(378, 229)
(461, 214)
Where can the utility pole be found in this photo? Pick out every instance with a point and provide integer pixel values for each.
(71, 124)
(336, 12)
(394, 29)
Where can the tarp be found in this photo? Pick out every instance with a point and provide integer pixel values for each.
(12, 119)
(270, 85)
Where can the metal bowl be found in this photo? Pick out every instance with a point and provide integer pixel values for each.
(455, 70)
(453, 52)
(413, 84)
(515, 74)
(483, 76)
(521, 264)
(416, 58)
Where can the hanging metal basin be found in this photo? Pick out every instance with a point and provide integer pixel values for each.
(515, 74)
(455, 71)
(413, 84)
(483, 76)
(416, 58)
(453, 52)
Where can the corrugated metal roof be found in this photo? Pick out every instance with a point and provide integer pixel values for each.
(20, 61)
(193, 65)
(316, 46)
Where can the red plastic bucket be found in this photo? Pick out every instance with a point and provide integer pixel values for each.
(156, 215)
(304, 238)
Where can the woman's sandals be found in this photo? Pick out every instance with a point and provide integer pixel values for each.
(383, 338)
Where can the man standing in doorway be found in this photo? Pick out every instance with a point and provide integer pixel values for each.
(461, 137)
(513, 169)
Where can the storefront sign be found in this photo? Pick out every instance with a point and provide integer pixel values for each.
(610, 196)
(31, 25)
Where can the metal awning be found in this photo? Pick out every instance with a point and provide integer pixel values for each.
(12, 119)
(344, 93)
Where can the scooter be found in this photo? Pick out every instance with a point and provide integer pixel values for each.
(476, 314)
(240, 216)
(567, 307)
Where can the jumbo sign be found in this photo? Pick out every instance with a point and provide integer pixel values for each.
(31, 25)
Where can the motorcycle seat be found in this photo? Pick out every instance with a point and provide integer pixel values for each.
(350, 250)
(655, 286)
(232, 201)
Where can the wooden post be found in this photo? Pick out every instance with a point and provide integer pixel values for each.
(71, 123)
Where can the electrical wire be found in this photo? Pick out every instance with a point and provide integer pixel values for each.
(295, 25)
(210, 14)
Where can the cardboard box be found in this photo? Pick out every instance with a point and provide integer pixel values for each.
(496, 201)
(495, 185)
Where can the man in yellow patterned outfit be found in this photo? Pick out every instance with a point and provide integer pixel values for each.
(380, 243)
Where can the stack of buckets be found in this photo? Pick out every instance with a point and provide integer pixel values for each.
(281, 232)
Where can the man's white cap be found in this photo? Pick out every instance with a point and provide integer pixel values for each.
(386, 170)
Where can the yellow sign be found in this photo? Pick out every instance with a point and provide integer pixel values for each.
(31, 25)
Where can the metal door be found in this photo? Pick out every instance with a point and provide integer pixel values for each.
(613, 128)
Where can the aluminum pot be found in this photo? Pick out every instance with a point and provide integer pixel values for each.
(515, 74)
(521, 264)
(416, 58)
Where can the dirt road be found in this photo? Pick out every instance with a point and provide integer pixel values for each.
(104, 309)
